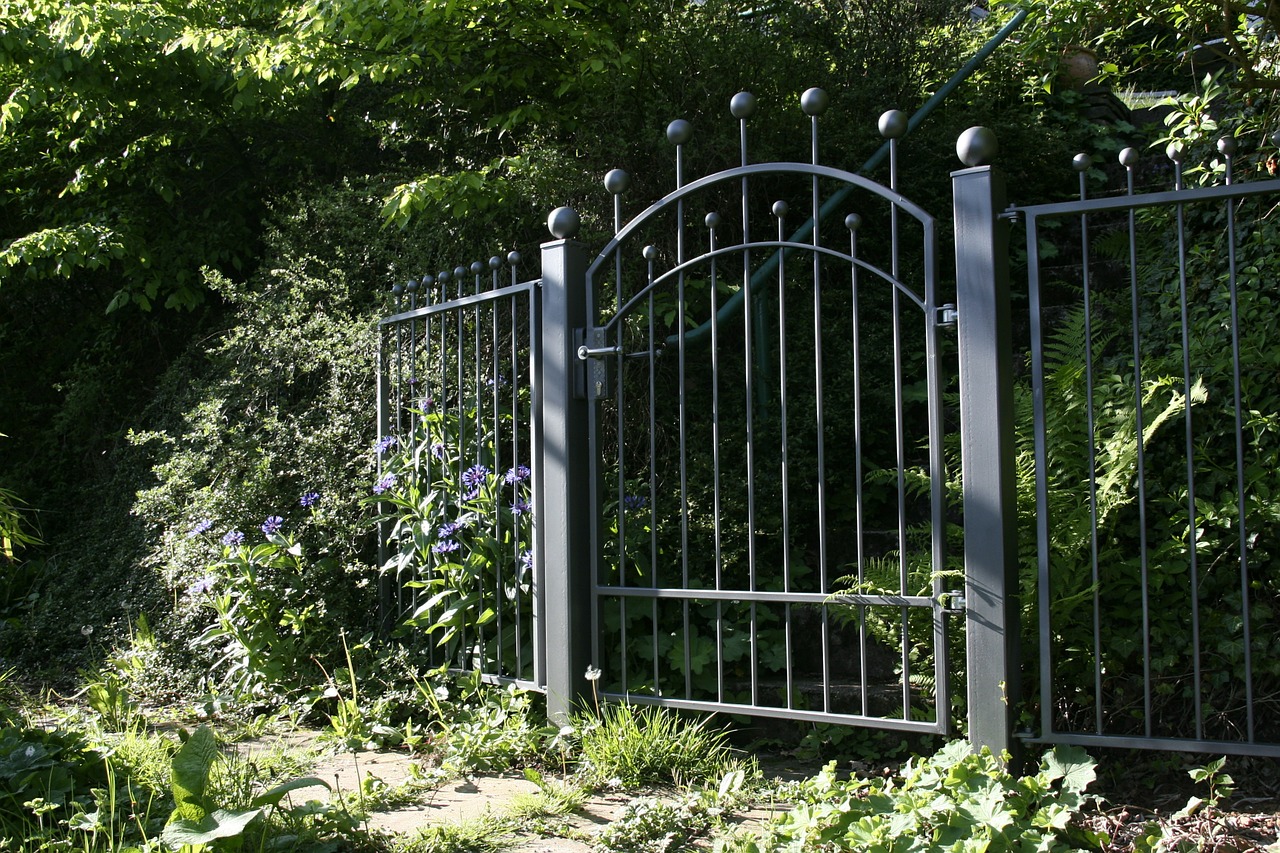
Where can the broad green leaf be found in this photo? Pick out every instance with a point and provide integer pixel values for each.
(219, 824)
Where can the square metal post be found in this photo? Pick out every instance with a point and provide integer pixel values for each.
(987, 457)
(562, 491)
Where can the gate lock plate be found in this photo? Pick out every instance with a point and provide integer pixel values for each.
(595, 373)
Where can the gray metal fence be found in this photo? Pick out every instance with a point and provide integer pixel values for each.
(1153, 451)
(456, 406)
(728, 426)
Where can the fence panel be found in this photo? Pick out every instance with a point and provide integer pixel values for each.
(1155, 449)
(456, 438)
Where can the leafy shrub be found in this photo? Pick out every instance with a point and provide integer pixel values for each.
(953, 800)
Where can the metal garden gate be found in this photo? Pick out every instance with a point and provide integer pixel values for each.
(698, 487)
(757, 548)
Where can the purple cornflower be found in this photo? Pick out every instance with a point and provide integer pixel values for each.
(202, 586)
(447, 529)
(437, 450)
(635, 502)
(200, 527)
(518, 474)
(445, 547)
(384, 484)
(309, 499)
(526, 561)
(473, 478)
(386, 444)
(272, 524)
(233, 538)
(520, 507)
(427, 403)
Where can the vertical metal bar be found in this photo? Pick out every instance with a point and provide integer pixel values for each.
(651, 255)
(987, 455)
(536, 408)
(900, 438)
(1227, 146)
(1189, 435)
(852, 222)
(780, 211)
(684, 417)
(563, 463)
(1129, 158)
(745, 106)
(937, 481)
(820, 418)
(1082, 165)
(712, 220)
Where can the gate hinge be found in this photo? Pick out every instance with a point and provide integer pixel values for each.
(947, 315)
(1010, 214)
(595, 372)
(952, 602)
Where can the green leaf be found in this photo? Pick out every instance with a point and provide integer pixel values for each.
(189, 776)
(1072, 765)
(273, 796)
(219, 824)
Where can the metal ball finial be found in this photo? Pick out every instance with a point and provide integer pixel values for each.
(713, 220)
(650, 253)
(1081, 162)
(1275, 138)
(1175, 152)
(397, 289)
(411, 285)
(814, 101)
(853, 222)
(1227, 145)
(443, 276)
(513, 258)
(476, 268)
(977, 146)
(893, 124)
(743, 105)
(617, 181)
(459, 273)
(1129, 157)
(427, 281)
(495, 262)
(679, 132)
(563, 223)
(780, 209)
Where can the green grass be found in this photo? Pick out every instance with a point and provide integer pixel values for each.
(632, 746)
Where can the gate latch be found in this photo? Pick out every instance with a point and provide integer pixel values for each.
(595, 373)
(952, 602)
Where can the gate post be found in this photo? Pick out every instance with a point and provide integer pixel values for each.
(987, 445)
(561, 494)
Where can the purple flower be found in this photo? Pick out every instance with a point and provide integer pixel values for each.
(520, 507)
(635, 502)
(386, 444)
(445, 547)
(437, 450)
(447, 529)
(272, 524)
(202, 586)
(518, 474)
(233, 538)
(384, 484)
(526, 561)
(473, 477)
(500, 381)
(427, 403)
(200, 527)
(309, 499)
